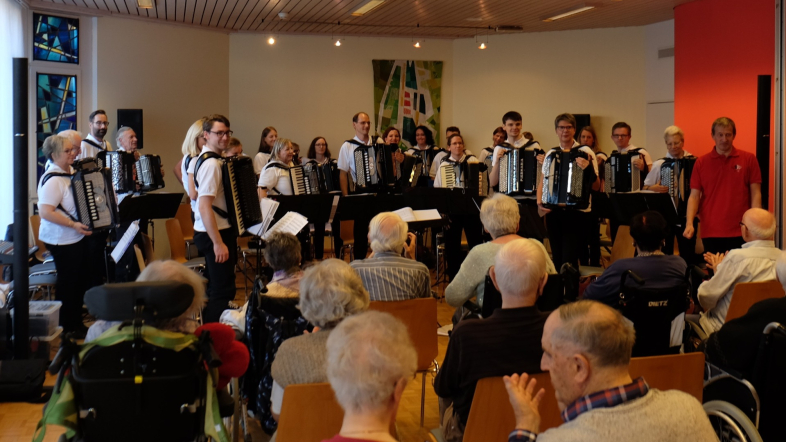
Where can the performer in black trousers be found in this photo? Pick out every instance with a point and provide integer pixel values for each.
(213, 235)
(346, 164)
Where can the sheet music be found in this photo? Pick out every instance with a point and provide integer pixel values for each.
(292, 222)
(268, 207)
(409, 215)
(125, 241)
(406, 213)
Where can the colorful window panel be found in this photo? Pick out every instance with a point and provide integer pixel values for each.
(55, 38)
(55, 109)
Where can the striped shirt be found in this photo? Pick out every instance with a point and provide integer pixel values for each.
(390, 277)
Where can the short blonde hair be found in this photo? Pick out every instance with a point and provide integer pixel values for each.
(673, 131)
(500, 215)
(170, 270)
(367, 355)
(190, 144)
(387, 232)
(331, 291)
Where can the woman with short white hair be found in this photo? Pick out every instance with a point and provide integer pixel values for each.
(329, 292)
(370, 358)
(275, 178)
(387, 232)
(500, 217)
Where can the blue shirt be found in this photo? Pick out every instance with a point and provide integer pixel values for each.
(659, 272)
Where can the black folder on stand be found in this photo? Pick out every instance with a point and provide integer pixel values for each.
(627, 205)
(314, 207)
(149, 206)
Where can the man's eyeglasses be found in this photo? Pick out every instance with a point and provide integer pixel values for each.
(221, 133)
(564, 127)
(742, 224)
(620, 136)
(101, 123)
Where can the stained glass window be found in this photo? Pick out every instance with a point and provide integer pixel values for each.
(55, 38)
(55, 109)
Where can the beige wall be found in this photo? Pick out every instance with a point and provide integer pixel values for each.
(174, 74)
(306, 87)
(598, 72)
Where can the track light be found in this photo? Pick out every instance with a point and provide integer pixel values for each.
(271, 41)
(574, 11)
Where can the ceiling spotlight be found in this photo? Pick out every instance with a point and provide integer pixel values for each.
(338, 42)
(482, 46)
(271, 41)
(144, 4)
(417, 44)
(576, 10)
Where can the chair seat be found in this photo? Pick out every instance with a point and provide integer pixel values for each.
(41, 269)
(195, 262)
(39, 280)
(590, 270)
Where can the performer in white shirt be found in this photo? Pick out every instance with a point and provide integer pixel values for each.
(269, 137)
(346, 164)
(94, 142)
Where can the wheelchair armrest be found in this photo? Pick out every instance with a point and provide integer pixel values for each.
(473, 307)
(696, 328)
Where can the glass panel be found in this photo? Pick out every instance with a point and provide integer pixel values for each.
(55, 109)
(55, 38)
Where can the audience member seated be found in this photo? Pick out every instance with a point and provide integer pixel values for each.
(283, 254)
(165, 271)
(369, 383)
(754, 262)
(506, 342)
(586, 350)
(736, 344)
(659, 271)
(385, 273)
(329, 292)
(500, 217)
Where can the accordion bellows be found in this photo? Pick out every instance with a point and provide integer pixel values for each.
(620, 174)
(122, 166)
(148, 173)
(676, 174)
(565, 184)
(518, 171)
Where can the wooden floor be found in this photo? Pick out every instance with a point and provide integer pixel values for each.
(18, 420)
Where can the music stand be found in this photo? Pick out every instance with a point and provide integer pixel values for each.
(149, 206)
(627, 205)
(316, 208)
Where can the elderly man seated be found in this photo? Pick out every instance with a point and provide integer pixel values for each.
(369, 383)
(754, 262)
(658, 270)
(385, 273)
(735, 345)
(500, 217)
(506, 342)
(586, 350)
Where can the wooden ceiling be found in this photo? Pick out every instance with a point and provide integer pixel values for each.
(400, 18)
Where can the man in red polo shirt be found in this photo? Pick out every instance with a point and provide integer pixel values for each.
(725, 183)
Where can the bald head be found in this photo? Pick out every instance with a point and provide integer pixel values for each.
(520, 269)
(758, 224)
(387, 232)
(74, 137)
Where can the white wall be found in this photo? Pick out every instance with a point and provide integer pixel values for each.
(600, 72)
(305, 87)
(659, 85)
(174, 74)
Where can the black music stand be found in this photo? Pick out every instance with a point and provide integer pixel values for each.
(316, 208)
(627, 205)
(149, 206)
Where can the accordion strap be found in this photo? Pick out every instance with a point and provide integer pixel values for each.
(201, 159)
(60, 206)
(94, 144)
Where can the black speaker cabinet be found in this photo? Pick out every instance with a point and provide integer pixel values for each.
(582, 120)
(763, 104)
(133, 119)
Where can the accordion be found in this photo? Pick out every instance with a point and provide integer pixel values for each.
(328, 176)
(620, 174)
(122, 166)
(565, 184)
(675, 174)
(94, 197)
(240, 190)
(466, 175)
(365, 170)
(387, 165)
(412, 170)
(148, 173)
(519, 171)
(304, 179)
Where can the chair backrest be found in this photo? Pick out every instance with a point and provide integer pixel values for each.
(491, 415)
(309, 413)
(140, 260)
(35, 224)
(347, 230)
(623, 245)
(748, 293)
(177, 245)
(184, 216)
(684, 372)
(420, 317)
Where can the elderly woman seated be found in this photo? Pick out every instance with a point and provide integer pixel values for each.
(369, 383)
(329, 292)
(500, 217)
(283, 254)
(165, 271)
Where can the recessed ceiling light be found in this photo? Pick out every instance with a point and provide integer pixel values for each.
(338, 42)
(367, 7)
(474, 19)
(144, 4)
(271, 41)
(574, 11)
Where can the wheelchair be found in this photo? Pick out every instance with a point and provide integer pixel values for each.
(750, 409)
(136, 382)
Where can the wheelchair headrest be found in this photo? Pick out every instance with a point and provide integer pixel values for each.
(161, 300)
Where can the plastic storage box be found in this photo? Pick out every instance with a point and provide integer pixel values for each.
(44, 317)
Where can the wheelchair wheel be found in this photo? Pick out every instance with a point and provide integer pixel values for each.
(730, 423)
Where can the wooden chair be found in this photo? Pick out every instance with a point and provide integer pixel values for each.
(684, 372)
(748, 293)
(623, 248)
(177, 246)
(35, 223)
(309, 412)
(347, 235)
(420, 317)
(186, 225)
(140, 260)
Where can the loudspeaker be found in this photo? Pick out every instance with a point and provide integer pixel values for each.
(582, 120)
(133, 119)
(763, 104)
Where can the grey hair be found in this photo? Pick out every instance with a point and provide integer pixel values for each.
(367, 355)
(73, 135)
(53, 146)
(331, 291)
(780, 269)
(605, 335)
(170, 270)
(283, 251)
(120, 133)
(387, 232)
(672, 131)
(278, 146)
(519, 267)
(500, 215)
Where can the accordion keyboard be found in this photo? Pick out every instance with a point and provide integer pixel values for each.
(362, 168)
(242, 186)
(91, 196)
(448, 175)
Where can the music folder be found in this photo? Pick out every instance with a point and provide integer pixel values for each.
(627, 205)
(316, 208)
(149, 206)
